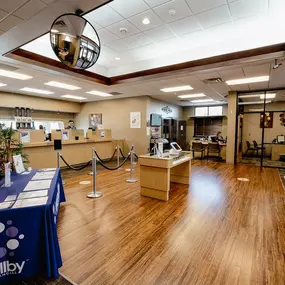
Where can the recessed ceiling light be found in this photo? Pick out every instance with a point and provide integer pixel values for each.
(14, 75)
(146, 21)
(117, 58)
(62, 85)
(202, 101)
(192, 96)
(248, 80)
(2, 84)
(99, 93)
(177, 88)
(39, 91)
(74, 97)
(54, 31)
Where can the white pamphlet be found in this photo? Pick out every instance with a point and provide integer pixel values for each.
(44, 175)
(30, 202)
(18, 162)
(10, 198)
(7, 174)
(65, 135)
(6, 205)
(25, 173)
(46, 169)
(25, 137)
(38, 185)
(33, 194)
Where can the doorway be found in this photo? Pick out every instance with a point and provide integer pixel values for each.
(260, 136)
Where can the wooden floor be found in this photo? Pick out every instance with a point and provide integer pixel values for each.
(217, 231)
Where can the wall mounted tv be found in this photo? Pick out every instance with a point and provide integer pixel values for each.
(155, 120)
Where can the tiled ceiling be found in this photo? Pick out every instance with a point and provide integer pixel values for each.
(179, 31)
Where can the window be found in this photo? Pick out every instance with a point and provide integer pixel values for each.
(209, 111)
(8, 123)
(201, 111)
(49, 126)
(216, 111)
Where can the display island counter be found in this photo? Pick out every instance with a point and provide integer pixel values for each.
(41, 154)
(157, 173)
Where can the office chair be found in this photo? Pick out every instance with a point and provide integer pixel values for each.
(214, 148)
(198, 147)
(249, 147)
(258, 147)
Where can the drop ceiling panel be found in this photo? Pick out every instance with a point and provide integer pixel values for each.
(185, 26)
(30, 9)
(198, 6)
(153, 3)
(160, 34)
(139, 40)
(214, 17)
(259, 85)
(207, 75)
(105, 16)
(9, 23)
(232, 74)
(258, 70)
(220, 88)
(11, 5)
(155, 21)
(2, 14)
(115, 29)
(243, 8)
(94, 24)
(129, 9)
(240, 87)
(179, 6)
(107, 37)
(120, 45)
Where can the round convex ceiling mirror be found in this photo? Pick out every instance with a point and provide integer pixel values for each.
(74, 41)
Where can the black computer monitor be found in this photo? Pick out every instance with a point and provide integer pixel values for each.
(155, 120)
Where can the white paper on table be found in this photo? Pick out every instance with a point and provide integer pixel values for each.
(33, 194)
(6, 205)
(30, 202)
(38, 185)
(25, 173)
(18, 162)
(44, 175)
(47, 169)
(10, 198)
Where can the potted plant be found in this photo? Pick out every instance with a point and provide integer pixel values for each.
(9, 146)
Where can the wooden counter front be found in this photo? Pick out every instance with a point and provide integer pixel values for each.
(277, 150)
(42, 155)
(157, 173)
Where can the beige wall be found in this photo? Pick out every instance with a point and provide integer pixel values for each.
(10, 100)
(116, 116)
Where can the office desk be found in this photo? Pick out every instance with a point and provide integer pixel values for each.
(157, 173)
(223, 147)
(277, 150)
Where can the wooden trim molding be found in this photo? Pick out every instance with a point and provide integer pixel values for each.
(39, 60)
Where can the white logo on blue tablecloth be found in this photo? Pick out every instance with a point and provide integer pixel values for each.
(55, 207)
(12, 232)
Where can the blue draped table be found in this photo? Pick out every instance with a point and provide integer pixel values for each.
(28, 236)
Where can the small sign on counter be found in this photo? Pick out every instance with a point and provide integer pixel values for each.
(25, 137)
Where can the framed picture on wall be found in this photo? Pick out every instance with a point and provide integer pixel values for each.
(267, 120)
(94, 120)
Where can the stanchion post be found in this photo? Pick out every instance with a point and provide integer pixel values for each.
(58, 165)
(132, 179)
(118, 157)
(93, 152)
(94, 194)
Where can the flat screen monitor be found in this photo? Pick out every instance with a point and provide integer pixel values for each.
(280, 139)
(155, 120)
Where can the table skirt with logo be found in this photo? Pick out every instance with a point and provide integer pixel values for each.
(28, 236)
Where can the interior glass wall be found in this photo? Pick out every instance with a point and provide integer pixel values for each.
(262, 128)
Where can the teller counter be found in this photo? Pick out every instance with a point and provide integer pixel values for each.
(42, 155)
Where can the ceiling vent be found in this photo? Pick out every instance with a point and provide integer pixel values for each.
(115, 93)
(213, 80)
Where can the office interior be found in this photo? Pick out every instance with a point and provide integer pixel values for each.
(162, 135)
